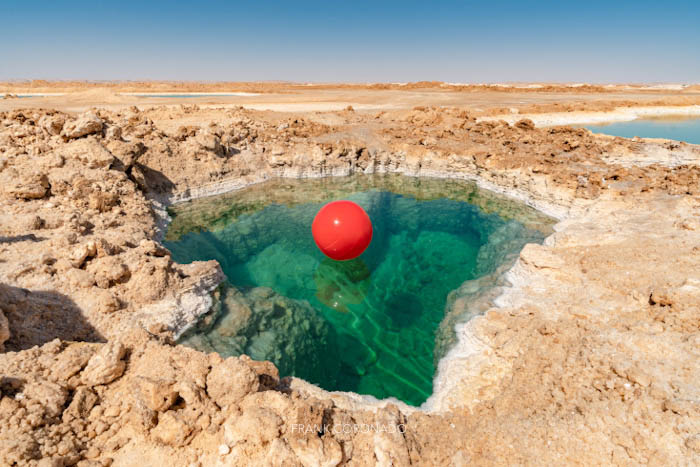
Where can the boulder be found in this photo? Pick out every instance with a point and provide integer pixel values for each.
(156, 394)
(106, 365)
(109, 271)
(255, 425)
(53, 124)
(31, 186)
(171, 430)
(210, 142)
(230, 381)
(86, 124)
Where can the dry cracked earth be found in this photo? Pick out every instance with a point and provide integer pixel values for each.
(589, 357)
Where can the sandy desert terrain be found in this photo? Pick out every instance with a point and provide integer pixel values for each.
(589, 355)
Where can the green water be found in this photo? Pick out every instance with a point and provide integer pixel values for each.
(679, 129)
(369, 325)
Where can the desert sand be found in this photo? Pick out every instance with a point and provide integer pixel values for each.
(589, 354)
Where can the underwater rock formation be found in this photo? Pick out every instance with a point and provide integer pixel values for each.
(267, 326)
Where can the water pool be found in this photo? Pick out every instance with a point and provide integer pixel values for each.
(679, 129)
(368, 325)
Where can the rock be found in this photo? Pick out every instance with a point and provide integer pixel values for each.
(86, 124)
(157, 394)
(106, 365)
(639, 376)
(683, 407)
(693, 443)
(102, 201)
(270, 327)
(113, 132)
(109, 271)
(125, 153)
(18, 449)
(230, 381)
(53, 124)
(138, 175)
(50, 395)
(267, 372)
(79, 278)
(224, 449)
(4, 330)
(151, 248)
(103, 301)
(33, 186)
(256, 426)
(171, 430)
(661, 296)
(71, 361)
(90, 152)
(52, 462)
(540, 257)
(82, 253)
(312, 450)
(210, 143)
(83, 401)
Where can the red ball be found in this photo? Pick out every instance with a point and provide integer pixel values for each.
(342, 230)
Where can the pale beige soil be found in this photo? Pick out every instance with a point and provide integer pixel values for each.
(590, 357)
(291, 97)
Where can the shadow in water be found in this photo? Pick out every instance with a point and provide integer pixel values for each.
(37, 317)
(404, 309)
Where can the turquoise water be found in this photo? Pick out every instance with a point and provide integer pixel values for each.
(368, 325)
(687, 130)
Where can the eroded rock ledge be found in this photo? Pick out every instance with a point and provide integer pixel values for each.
(590, 357)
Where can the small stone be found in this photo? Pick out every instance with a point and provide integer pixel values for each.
(106, 365)
(157, 394)
(112, 411)
(53, 124)
(113, 132)
(34, 186)
(230, 381)
(86, 124)
(693, 443)
(171, 430)
(82, 253)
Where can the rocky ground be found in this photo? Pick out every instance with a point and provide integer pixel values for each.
(590, 357)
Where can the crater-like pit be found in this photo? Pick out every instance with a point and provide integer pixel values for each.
(375, 325)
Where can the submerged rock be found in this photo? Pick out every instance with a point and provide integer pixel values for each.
(341, 283)
(267, 326)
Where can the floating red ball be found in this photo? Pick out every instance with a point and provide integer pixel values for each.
(342, 230)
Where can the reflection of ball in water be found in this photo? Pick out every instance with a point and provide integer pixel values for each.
(342, 230)
(341, 283)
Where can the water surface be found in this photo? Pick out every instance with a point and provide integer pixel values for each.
(685, 129)
(369, 325)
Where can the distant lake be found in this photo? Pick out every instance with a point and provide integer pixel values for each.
(2, 95)
(687, 129)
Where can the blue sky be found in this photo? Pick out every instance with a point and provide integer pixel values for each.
(357, 41)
